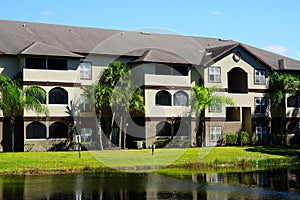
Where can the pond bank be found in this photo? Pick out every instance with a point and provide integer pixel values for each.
(199, 159)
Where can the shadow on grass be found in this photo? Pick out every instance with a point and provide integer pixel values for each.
(293, 150)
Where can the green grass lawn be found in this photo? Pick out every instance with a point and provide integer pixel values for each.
(64, 162)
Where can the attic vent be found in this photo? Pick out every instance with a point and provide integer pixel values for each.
(222, 40)
(145, 33)
(281, 64)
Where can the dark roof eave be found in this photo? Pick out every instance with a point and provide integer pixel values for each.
(221, 54)
(160, 62)
(45, 55)
(257, 57)
(245, 48)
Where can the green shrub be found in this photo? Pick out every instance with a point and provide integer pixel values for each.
(161, 143)
(28, 147)
(231, 139)
(244, 137)
(278, 139)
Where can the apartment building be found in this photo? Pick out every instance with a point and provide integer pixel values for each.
(62, 60)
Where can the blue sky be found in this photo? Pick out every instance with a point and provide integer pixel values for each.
(268, 24)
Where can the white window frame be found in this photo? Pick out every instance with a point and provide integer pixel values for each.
(260, 133)
(261, 102)
(214, 74)
(215, 133)
(260, 76)
(85, 133)
(84, 106)
(85, 70)
(216, 107)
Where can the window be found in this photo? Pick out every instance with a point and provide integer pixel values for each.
(163, 129)
(86, 134)
(180, 99)
(215, 133)
(58, 96)
(214, 74)
(36, 130)
(57, 64)
(39, 93)
(84, 106)
(261, 132)
(260, 105)
(180, 70)
(58, 130)
(293, 101)
(46, 63)
(163, 98)
(215, 107)
(174, 70)
(86, 70)
(35, 63)
(260, 76)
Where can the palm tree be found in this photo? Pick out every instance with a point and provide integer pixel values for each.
(114, 97)
(15, 98)
(127, 98)
(72, 110)
(281, 84)
(110, 77)
(99, 96)
(203, 98)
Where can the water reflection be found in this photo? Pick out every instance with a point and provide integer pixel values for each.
(273, 184)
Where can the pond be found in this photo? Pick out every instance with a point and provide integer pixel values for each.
(272, 184)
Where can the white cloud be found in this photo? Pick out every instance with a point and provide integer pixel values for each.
(298, 53)
(216, 13)
(277, 48)
(47, 13)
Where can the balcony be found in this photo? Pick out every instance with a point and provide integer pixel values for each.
(41, 75)
(167, 80)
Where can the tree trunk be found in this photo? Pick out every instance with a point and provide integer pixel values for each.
(12, 132)
(120, 131)
(111, 128)
(99, 131)
(124, 138)
(282, 119)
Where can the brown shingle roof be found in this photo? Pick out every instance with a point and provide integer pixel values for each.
(40, 48)
(48, 39)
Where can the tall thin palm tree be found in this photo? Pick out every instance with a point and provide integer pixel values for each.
(99, 96)
(127, 97)
(203, 98)
(15, 98)
(114, 94)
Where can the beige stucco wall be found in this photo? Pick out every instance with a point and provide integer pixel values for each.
(58, 109)
(247, 63)
(41, 144)
(153, 110)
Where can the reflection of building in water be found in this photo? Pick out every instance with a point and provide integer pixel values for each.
(210, 186)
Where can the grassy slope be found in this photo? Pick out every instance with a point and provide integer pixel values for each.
(33, 162)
